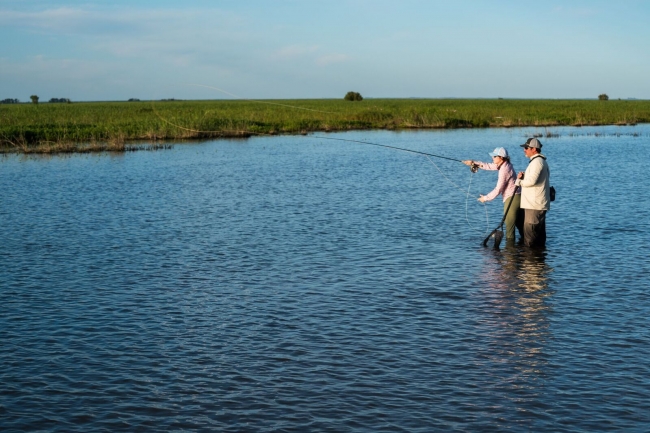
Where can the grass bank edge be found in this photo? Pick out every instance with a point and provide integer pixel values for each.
(122, 126)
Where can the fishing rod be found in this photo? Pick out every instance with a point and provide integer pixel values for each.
(474, 167)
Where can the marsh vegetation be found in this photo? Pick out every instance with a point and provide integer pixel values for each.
(111, 125)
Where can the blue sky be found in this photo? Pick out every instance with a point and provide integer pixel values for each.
(92, 50)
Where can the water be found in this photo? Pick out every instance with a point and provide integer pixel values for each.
(306, 284)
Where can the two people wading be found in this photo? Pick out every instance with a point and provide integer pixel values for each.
(529, 192)
(506, 188)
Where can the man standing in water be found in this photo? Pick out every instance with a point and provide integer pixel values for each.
(535, 194)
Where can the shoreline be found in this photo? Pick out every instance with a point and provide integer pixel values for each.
(131, 126)
(135, 145)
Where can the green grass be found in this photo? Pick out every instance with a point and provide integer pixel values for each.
(109, 125)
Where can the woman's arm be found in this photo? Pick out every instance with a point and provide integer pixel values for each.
(502, 183)
(487, 165)
(483, 165)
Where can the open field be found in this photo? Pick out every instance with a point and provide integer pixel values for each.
(101, 126)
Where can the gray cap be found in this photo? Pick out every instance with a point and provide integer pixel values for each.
(532, 142)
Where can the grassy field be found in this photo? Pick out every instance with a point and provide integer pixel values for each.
(99, 126)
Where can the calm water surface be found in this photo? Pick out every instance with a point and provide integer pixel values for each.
(306, 284)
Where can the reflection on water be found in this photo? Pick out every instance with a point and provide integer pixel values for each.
(283, 284)
(519, 305)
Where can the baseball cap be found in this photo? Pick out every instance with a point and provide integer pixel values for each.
(499, 151)
(532, 142)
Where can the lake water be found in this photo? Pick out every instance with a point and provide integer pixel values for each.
(307, 284)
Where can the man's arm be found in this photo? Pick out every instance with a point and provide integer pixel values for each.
(532, 174)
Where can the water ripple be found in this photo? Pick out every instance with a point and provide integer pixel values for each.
(285, 285)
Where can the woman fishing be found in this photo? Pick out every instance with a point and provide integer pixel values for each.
(505, 187)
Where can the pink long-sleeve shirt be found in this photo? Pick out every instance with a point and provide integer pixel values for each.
(506, 182)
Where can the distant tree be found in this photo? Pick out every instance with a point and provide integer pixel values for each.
(59, 100)
(353, 96)
(134, 100)
(603, 97)
(34, 99)
(9, 101)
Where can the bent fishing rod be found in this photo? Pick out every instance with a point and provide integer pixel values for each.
(473, 167)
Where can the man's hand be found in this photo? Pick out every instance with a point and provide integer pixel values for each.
(520, 175)
(481, 199)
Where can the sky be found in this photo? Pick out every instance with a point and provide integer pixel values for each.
(297, 49)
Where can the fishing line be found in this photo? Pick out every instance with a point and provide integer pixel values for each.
(386, 146)
(450, 181)
(467, 194)
(428, 155)
(238, 98)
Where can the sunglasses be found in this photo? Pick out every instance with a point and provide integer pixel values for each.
(526, 147)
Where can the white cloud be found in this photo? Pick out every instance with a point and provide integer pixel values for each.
(174, 37)
(59, 78)
(52, 20)
(109, 50)
(72, 20)
(141, 29)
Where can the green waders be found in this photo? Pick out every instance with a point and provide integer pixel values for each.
(511, 217)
